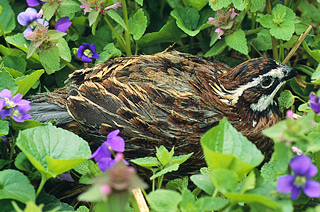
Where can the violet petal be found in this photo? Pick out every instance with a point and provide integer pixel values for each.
(27, 17)
(63, 24)
(113, 134)
(5, 93)
(116, 143)
(80, 51)
(285, 183)
(312, 189)
(300, 164)
(295, 193)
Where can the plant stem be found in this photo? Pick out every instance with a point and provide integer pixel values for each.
(120, 40)
(215, 193)
(126, 32)
(43, 181)
(273, 39)
(69, 64)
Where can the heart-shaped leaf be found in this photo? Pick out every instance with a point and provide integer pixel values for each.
(14, 185)
(53, 150)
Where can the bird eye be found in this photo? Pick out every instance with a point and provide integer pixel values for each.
(267, 82)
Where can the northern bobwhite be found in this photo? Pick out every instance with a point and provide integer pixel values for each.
(169, 99)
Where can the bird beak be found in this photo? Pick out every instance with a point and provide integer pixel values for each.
(289, 73)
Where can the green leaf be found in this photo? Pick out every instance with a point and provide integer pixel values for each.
(88, 169)
(286, 100)
(25, 125)
(69, 7)
(137, 24)
(211, 204)
(219, 4)
(249, 182)
(164, 200)
(180, 159)
(311, 11)
(20, 42)
(171, 168)
(140, 2)
(14, 185)
(217, 48)
(187, 20)
(178, 184)
(256, 5)
(54, 35)
(269, 172)
(49, 9)
(315, 54)
(50, 59)
(51, 203)
(93, 15)
(53, 150)
(109, 51)
(168, 33)
(284, 31)
(7, 18)
(146, 162)
(26, 83)
(22, 162)
(15, 62)
(263, 40)
(240, 4)
(224, 147)
(163, 155)
(316, 75)
(237, 40)
(7, 81)
(11, 51)
(188, 200)
(281, 22)
(198, 5)
(4, 128)
(251, 198)
(64, 51)
(203, 182)
(225, 180)
(117, 18)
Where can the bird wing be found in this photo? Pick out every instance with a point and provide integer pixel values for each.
(155, 100)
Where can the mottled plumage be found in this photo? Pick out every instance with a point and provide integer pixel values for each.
(169, 99)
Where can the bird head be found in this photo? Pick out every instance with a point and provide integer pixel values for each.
(253, 84)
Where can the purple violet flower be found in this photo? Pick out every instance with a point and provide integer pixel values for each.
(29, 18)
(63, 24)
(303, 170)
(87, 52)
(15, 106)
(314, 103)
(33, 3)
(103, 154)
(4, 138)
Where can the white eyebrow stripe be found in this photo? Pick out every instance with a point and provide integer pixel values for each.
(235, 94)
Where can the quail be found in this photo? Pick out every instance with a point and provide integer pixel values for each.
(169, 98)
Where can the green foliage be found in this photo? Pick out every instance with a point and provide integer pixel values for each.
(225, 148)
(238, 41)
(15, 185)
(52, 150)
(7, 18)
(138, 24)
(281, 22)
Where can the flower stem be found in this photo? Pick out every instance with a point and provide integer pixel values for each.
(69, 64)
(126, 33)
(120, 40)
(43, 181)
(215, 193)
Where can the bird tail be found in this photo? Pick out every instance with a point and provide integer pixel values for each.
(50, 106)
